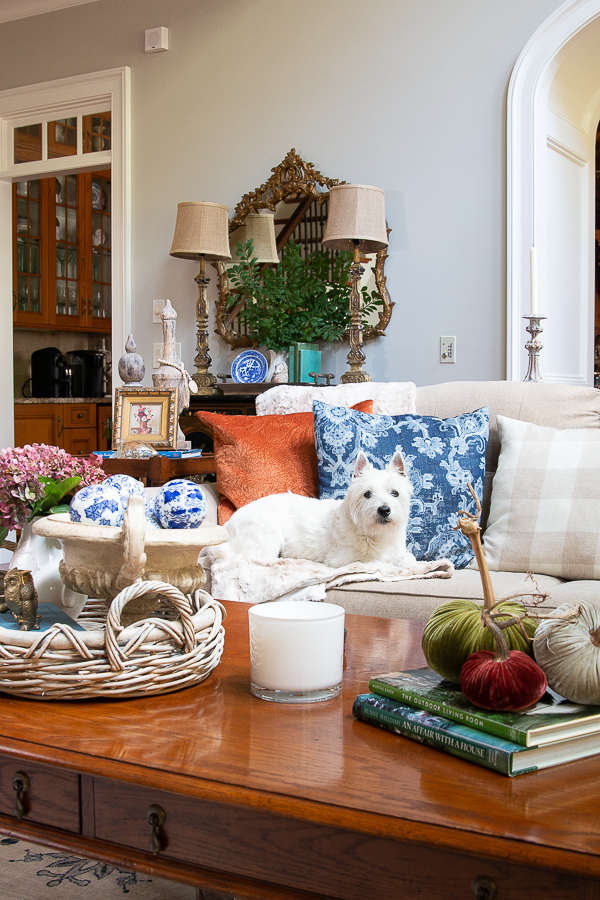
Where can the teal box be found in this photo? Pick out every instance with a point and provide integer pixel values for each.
(304, 358)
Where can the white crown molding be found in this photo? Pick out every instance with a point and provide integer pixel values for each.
(22, 9)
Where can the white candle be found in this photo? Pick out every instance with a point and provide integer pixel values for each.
(296, 650)
(534, 281)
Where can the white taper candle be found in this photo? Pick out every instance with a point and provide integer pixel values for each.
(534, 281)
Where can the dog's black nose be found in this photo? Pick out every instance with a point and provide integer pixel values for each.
(384, 511)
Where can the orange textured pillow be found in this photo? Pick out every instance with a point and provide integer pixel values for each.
(260, 455)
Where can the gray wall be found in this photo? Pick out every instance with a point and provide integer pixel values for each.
(408, 95)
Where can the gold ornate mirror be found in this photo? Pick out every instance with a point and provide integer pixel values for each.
(298, 196)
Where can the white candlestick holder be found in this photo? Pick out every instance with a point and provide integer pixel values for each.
(533, 347)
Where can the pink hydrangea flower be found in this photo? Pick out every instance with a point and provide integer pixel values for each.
(29, 474)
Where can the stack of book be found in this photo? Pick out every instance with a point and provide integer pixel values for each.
(419, 705)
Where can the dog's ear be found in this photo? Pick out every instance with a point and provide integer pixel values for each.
(361, 465)
(396, 463)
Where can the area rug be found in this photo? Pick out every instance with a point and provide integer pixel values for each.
(31, 872)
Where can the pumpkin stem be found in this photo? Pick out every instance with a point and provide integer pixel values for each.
(498, 634)
(470, 527)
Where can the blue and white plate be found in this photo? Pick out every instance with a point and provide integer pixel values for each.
(249, 367)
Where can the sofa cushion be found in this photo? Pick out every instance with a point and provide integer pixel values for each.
(417, 599)
(442, 457)
(545, 505)
(260, 455)
(553, 405)
(389, 397)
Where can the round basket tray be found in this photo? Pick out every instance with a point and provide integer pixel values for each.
(152, 656)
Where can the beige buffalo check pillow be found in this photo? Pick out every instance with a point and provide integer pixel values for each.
(545, 505)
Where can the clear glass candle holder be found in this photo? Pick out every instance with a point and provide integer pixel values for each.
(296, 651)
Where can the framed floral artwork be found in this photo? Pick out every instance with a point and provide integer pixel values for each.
(146, 414)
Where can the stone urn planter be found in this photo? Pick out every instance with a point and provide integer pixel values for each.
(100, 560)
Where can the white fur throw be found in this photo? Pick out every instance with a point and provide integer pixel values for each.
(256, 581)
(392, 398)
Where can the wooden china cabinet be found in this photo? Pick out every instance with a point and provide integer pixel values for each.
(62, 253)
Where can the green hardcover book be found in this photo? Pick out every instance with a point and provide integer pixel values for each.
(486, 750)
(551, 719)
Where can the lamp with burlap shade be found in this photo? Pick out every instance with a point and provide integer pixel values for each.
(201, 233)
(356, 222)
(260, 229)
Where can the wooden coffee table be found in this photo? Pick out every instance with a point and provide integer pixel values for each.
(269, 801)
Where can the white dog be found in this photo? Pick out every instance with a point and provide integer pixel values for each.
(368, 525)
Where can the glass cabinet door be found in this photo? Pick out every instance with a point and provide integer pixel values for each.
(29, 250)
(62, 252)
(101, 247)
(66, 219)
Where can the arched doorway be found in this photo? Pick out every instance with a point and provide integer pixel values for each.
(553, 111)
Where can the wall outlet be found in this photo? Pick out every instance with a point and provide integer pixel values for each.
(448, 349)
(157, 352)
(157, 308)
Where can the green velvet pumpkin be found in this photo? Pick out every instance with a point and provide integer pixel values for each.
(455, 630)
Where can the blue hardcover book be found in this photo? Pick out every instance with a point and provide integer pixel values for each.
(486, 750)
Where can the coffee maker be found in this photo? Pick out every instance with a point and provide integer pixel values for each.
(49, 375)
(88, 372)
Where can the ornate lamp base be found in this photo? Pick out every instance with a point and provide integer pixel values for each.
(204, 380)
(356, 358)
(533, 347)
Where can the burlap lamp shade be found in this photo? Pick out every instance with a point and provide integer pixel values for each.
(356, 213)
(260, 229)
(201, 229)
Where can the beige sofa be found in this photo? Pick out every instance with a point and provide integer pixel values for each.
(553, 405)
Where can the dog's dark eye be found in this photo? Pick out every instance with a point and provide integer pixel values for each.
(367, 495)
(394, 493)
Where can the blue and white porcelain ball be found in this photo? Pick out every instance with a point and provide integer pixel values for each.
(180, 504)
(150, 512)
(126, 486)
(97, 505)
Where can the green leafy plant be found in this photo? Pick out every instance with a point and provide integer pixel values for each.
(297, 300)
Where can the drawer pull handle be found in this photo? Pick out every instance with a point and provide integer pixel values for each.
(20, 787)
(80, 415)
(156, 819)
(484, 888)
(60, 426)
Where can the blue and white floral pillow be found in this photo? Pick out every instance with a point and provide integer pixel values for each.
(441, 456)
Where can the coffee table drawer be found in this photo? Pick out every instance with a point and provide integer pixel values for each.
(48, 796)
(299, 855)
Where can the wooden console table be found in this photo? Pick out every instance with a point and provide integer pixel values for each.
(156, 470)
(277, 802)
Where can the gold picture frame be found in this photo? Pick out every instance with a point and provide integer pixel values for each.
(146, 414)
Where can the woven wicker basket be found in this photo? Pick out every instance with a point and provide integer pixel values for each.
(153, 656)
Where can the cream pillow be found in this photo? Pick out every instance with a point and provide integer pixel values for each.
(545, 505)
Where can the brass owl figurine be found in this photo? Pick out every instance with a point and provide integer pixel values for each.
(22, 599)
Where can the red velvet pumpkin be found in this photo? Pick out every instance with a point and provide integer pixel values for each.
(509, 683)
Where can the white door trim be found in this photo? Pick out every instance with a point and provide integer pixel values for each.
(526, 143)
(109, 89)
